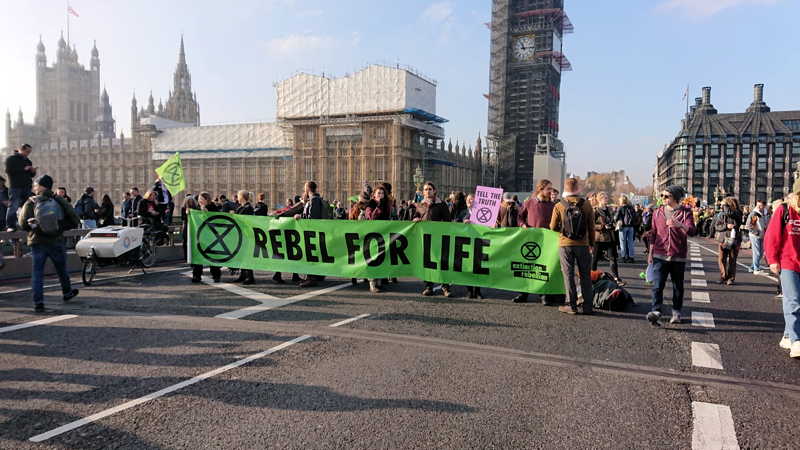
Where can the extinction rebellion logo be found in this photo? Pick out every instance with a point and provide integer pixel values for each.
(173, 174)
(219, 239)
(531, 251)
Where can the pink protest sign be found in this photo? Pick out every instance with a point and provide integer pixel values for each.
(486, 206)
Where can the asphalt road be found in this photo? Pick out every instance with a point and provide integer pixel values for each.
(157, 362)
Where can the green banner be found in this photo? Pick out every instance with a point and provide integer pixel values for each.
(171, 174)
(513, 259)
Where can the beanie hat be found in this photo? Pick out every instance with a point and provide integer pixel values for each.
(45, 181)
(677, 192)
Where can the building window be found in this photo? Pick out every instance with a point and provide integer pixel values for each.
(761, 164)
(698, 150)
(714, 151)
(793, 125)
(762, 149)
(730, 151)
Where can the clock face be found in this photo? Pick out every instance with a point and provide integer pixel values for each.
(524, 48)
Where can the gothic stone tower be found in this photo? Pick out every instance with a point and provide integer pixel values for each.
(525, 81)
(182, 102)
(67, 94)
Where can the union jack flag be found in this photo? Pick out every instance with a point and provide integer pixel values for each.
(72, 11)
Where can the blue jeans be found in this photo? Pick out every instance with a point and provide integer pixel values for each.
(790, 283)
(662, 269)
(56, 253)
(758, 251)
(626, 236)
(17, 197)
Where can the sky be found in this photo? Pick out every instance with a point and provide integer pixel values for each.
(620, 106)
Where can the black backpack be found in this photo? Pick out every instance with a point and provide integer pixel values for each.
(574, 226)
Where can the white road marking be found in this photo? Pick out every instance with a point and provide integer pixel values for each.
(702, 319)
(350, 320)
(700, 297)
(696, 282)
(713, 427)
(765, 274)
(99, 280)
(20, 326)
(102, 414)
(697, 259)
(698, 273)
(706, 355)
(267, 301)
(697, 265)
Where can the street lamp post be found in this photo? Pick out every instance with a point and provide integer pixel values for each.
(419, 178)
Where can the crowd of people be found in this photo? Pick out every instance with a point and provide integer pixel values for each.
(592, 229)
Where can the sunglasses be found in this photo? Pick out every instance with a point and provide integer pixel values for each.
(666, 196)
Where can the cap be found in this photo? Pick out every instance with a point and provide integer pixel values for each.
(45, 181)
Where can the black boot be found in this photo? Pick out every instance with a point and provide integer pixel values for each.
(477, 292)
(470, 292)
(278, 278)
(521, 298)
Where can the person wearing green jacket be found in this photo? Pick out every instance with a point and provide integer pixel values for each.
(45, 217)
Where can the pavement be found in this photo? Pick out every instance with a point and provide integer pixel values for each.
(156, 362)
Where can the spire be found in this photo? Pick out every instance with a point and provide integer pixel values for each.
(160, 107)
(182, 54)
(20, 120)
(151, 108)
(61, 42)
(104, 95)
(40, 46)
(95, 53)
(133, 100)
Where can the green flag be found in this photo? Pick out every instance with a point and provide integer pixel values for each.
(514, 259)
(171, 174)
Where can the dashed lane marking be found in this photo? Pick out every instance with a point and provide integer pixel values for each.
(697, 259)
(702, 319)
(765, 275)
(108, 412)
(35, 323)
(700, 297)
(713, 427)
(350, 320)
(697, 265)
(698, 273)
(697, 282)
(707, 355)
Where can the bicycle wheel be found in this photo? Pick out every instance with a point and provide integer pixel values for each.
(147, 252)
(88, 272)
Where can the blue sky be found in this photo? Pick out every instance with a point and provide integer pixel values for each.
(620, 106)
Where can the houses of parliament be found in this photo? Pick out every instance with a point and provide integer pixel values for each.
(342, 146)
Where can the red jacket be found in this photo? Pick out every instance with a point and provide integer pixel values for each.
(782, 242)
(671, 241)
(536, 213)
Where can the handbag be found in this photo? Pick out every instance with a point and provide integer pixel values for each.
(730, 241)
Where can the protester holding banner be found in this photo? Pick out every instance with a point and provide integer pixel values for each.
(536, 212)
(672, 224)
(573, 217)
(313, 208)
(509, 212)
(459, 212)
(205, 203)
(243, 197)
(379, 208)
(433, 209)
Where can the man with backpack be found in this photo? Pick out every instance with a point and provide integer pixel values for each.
(573, 217)
(86, 209)
(45, 217)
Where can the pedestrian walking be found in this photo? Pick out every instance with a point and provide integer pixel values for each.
(757, 227)
(727, 225)
(536, 212)
(672, 224)
(626, 225)
(573, 217)
(605, 245)
(45, 217)
(87, 208)
(20, 173)
(433, 209)
(205, 203)
(782, 248)
(246, 276)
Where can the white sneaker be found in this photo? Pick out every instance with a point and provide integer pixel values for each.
(785, 343)
(676, 317)
(795, 351)
(757, 272)
(779, 296)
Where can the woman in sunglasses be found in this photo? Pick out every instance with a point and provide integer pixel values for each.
(672, 224)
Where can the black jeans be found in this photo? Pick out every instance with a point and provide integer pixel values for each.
(197, 272)
(609, 249)
(572, 258)
(674, 270)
